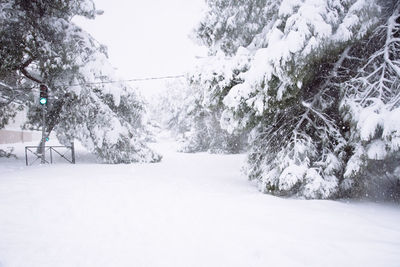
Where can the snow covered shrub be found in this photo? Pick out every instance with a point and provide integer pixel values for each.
(289, 95)
(7, 153)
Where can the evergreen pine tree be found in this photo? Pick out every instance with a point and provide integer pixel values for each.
(289, 95)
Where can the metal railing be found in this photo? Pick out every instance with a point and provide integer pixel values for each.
(52, 150)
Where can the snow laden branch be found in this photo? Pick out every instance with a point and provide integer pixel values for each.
(372, 103)
(300, 150)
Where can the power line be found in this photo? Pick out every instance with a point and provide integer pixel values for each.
(130, 80)
(103, 82)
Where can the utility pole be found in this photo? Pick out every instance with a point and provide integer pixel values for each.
(43, 161)
(43, 102)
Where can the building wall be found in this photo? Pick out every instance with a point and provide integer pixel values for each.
(18, 136)
(12, 132)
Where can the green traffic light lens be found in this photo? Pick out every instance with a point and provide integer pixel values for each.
(43, 101)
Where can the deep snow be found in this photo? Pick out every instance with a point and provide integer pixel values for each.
(188, 210)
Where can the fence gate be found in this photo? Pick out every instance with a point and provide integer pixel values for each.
(67, 153)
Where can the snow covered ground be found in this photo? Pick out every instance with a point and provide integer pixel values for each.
(188, 210)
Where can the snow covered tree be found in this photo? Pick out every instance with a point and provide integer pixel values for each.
(191, 108)
(170, 107)
(40, 45)
(28, 36)
(105, 116)
(289, 95)
(210, 82)
(36, 40)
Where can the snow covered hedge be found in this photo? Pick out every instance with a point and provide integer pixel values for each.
(320, 93)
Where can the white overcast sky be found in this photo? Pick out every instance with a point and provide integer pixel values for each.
(147, 38)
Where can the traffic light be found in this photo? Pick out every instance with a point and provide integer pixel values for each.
(43, 94)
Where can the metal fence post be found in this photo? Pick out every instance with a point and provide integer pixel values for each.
(26, 156)
(73, 152)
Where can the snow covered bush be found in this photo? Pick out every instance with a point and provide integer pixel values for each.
(297, 88)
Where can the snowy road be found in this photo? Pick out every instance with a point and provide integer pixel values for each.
(188, 210)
